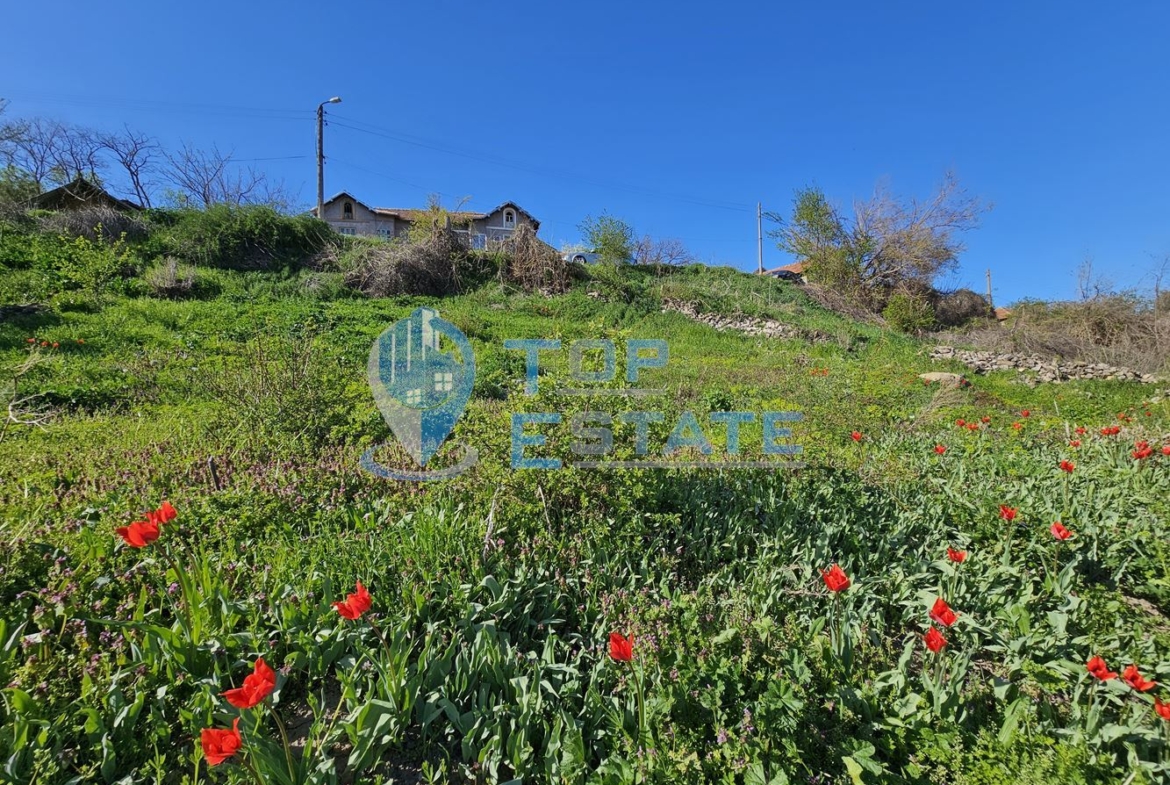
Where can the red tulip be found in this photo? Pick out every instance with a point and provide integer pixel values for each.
(1017, 425)
(30, 340)
(960, 422)
(942, 613)
(1162, 709)
(354, 604)
(835, 578)
(1059, 531)
(958, 557)
(940, 448)
(139, 534)
(856, 436)
(167, 512)
(1142, 454)
(1081, 430)
(1067, 466)
(1007, 513)
(934, 640)
(258, 685)
(219, 745)
(1099, 669)
(1025, 413)
(985, 419)
(1135, 679)
(1075, 443)
(972, 426)
(621, 649)
(1110, 430)
(1166, 449)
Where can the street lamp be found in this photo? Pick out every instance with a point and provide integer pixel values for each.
(321, 155)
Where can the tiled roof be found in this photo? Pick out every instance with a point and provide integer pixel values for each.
(411, 214)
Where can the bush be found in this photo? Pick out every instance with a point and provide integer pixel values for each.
(170, 278)
(427, 266)
(909, 313)
(533, 265)
(95, 223)
(952, 309)
(238, 238)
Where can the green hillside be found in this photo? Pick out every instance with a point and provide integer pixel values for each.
(485, 655)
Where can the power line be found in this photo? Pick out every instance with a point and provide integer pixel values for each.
(355, 125)
(251, 112)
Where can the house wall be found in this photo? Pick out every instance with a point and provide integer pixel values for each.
(364, 222)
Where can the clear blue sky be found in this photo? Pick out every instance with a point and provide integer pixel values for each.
(677, 117)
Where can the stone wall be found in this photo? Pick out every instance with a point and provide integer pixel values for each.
(1046, 370)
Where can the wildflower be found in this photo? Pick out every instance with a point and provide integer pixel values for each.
(56, 345)
(1025, 413)
(972, 426)
(940, 448)
(942, 613)
(1082, 430)
(957, 556)
(1059, 531)
(985, 419)
(1110, 430)
(1017, 425)
(164, 514)
(1075, 443)
(1162, 709)
(354, 604)
(1067, 466)
(835, 578)
(219, 745)
(258, 685)
(934, 640)
(856, 436)
(1166, 449)
(139, 534)
(81, 340)
(1008, 513)
(961, 422)
(1099, 669)
(1135, 679)
(30, 340)
(1142, 454)
(621, 649)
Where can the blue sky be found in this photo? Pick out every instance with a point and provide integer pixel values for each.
(677, 117)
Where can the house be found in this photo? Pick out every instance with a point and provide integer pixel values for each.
(80, 193)
(351, 216)
(789, 272)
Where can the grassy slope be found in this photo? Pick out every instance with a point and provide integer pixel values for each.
(158, 387)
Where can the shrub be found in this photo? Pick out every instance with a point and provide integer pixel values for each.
(170, 278)
(532, 264)
(427, 266)
(239, 238)
(952, 309)
(908, 312)
(95, 223)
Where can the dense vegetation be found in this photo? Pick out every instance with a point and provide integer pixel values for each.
(484, 654)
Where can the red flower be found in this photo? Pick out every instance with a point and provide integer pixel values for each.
(1067, 466)
(1059, 531)
(1099, 669)
(1025, 413)
(856, 436)
(1142, 454)
(621, 649)
(1110, 430)
(1134, 679)
(355, 604)
(1162, 709)
(835, 578)
(958, 557)
(139, 534)
(258, 685)
(1081, 430)
(164, 514)
(30, 340)
(942, 613)
(1166, 449)
(1075, 443)
(219, 745)
(1017, 425)
(934, 640)
(1122, 416)
(81, 340)
(1007, 513)
(961, 422)
(55, 344)
(985, 419)
(972, 426)
(940, 448)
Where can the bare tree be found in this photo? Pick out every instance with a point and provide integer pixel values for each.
(665, 251)
(52, 152)
(207, 177)
(138, 155)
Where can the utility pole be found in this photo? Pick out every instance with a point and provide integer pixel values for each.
(760, 236)
(990, 303)
(321, 155)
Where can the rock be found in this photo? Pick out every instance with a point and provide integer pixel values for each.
(943, 379)
(1047, 370)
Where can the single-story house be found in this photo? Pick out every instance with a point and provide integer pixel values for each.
(351, 216)
(77, 194)
(789, 272)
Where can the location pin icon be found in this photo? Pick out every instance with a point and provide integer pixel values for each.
(421, 371)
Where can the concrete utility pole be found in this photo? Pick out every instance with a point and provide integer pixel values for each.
(321, 155)
(760, 236)
(990, 304)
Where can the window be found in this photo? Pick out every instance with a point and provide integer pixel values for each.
(386, 232)
(444, 382)
(479, 241)
(348, 230)
(509, 219)
(347, 211)
(414, 397)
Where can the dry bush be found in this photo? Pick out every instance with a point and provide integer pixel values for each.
(171, 278)
(95, 223)
(1119, 329)
(532, 264)
(428, 265)
(952, 309)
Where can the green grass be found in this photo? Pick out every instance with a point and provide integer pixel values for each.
(494, 593)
